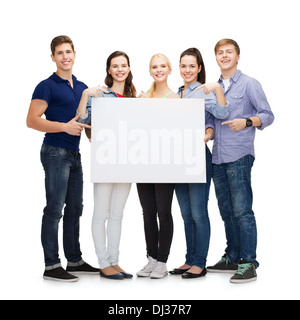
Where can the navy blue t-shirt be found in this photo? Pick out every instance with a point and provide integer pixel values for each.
(63, 101)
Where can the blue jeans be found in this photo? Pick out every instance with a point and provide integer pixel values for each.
(64, 187)
(193, 202)
(234, 194)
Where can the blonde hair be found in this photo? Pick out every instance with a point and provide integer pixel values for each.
(150, 92)
(228, 41)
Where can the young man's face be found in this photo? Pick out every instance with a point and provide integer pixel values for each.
(227, 57)
(64, 57)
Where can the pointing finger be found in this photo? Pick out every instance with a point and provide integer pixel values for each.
(85, 126)
(226, 122)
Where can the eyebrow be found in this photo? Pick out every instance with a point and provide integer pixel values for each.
(61, 51)
(122, 64)
(186, 64)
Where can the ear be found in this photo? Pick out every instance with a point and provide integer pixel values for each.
(200, 68)
(52, 57)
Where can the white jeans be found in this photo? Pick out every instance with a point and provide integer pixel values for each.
(109, 203)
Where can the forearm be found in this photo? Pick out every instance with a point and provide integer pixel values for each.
(83, 103)
(256, 121)
(220, 96)
(44, 125)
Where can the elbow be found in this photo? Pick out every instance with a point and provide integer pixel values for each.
(29, 123)
(223, 115)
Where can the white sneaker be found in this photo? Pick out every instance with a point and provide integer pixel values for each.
(159, 270)
(146, 271)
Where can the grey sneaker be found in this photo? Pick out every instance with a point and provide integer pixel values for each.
(246, 273)
(223, 266)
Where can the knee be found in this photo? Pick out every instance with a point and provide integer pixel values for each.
(149, 215)
(73, 211)
(165, 216)
(100, 216)
(201, 217)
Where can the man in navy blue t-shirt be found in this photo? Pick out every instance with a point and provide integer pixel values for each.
(58, 97)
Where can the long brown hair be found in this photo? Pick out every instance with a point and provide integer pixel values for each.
(196, 53)
(129, 89)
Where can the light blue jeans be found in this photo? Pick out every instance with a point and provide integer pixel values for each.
(193, 202)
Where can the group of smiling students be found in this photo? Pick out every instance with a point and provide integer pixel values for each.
(234, 107)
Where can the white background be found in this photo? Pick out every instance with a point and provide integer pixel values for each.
(267, 32)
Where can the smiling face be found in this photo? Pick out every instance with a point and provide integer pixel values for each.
(160, 68)
(64, 57)
(119, 69)
(189, 69)
(227, 58)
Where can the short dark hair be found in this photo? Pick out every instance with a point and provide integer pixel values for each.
(60, 40)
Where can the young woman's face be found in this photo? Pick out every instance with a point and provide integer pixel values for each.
(119, 68)
(189, 69)
(159, 69)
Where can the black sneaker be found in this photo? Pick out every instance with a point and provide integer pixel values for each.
(246, 273)
(223, 266)
(59, 274)
(85, 268)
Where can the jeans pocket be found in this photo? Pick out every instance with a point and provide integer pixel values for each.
(63, 153)
(54, 152)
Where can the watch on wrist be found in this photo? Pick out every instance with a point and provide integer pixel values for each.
(249, 123)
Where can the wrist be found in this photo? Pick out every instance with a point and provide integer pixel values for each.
(63, 127)
(249, 123)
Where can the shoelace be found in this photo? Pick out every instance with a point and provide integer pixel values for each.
(242, 268)
(159, 267)
(222, 261)
(149, 266)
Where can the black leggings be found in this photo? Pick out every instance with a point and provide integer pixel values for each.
(156, 199)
